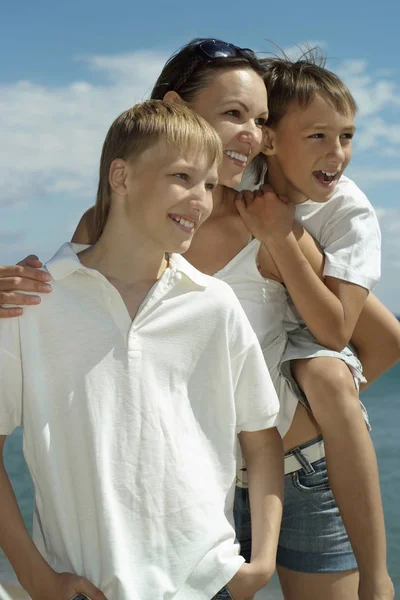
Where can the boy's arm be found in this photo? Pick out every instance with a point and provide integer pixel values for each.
(331, 309)
(263, 453)
(33, 572)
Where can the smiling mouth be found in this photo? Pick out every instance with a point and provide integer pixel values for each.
(326, 178)
(186, 225)
(237, 157)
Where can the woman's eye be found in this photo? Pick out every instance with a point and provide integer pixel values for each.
(184, 176)
(233, 113)
(209, 186)
(261, 121)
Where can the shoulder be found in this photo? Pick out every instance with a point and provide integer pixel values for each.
(348, 196)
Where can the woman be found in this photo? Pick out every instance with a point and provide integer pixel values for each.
(223, 84)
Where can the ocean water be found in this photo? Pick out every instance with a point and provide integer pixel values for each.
(382, 401)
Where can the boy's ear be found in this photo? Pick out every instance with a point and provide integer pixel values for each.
(117, 176)
(269, 142)
(173, 97)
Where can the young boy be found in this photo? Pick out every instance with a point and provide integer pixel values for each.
(309, 138)
(132, 380)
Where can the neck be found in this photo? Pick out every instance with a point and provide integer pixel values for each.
(123, 254)
(280, 184)
(222, 201)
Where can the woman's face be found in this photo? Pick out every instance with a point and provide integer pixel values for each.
(235, 104)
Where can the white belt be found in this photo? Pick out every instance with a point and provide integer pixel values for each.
(311, 453)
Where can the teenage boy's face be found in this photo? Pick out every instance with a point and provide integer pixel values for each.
(169, 196)
(235, 104)
(311, 147)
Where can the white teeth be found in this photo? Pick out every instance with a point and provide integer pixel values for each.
(184, 222)
(237, 155)
(329, 174)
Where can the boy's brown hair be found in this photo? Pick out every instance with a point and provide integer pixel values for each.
(143, 126)
(289, 81)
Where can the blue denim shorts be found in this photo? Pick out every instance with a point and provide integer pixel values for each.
(313, 538)
(223, 595)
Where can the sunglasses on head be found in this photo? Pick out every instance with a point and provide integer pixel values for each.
(210, 50)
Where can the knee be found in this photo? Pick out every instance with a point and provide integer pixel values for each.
(322, 376)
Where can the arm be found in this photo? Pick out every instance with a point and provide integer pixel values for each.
(330, 309)
(263, 454)
(376, 338)
(84, 233)
(33, 572)
(27, 277)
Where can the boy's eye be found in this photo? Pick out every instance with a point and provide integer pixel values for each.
(209, 186)
(184, 176)
(347, 136)
(317, 136)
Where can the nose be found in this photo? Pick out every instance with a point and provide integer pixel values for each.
(336, 150)
(251, 133)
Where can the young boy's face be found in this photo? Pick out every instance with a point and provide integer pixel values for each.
(311, 147)
(169, 195)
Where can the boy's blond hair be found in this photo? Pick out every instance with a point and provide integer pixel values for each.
(143, 126)
(298, 81)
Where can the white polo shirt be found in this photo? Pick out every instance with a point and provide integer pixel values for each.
(130, 426)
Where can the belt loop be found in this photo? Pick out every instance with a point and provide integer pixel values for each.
(307, 466)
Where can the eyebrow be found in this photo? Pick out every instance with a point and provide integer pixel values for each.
(324, 126)
(246, 108)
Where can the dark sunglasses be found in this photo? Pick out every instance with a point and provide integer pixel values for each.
(210, 50)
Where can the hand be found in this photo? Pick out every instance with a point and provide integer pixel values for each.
(265, 214)
(250, 578)
(26, 277)
(64, 586)
(371, 590)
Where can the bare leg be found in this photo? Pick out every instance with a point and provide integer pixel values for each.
(318, 586)
(352, 466)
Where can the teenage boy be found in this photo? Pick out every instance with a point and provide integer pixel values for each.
(309, 143)
(132, 381)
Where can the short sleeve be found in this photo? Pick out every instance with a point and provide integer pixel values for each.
(257, 404)
(10, 376)
(351, 240)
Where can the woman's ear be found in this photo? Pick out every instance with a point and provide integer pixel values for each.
(269, 142)
(117, 176)
(173, 97)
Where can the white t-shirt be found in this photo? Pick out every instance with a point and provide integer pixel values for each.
(347, 229)
(130, 426)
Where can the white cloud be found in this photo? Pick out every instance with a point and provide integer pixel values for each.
(52, 136)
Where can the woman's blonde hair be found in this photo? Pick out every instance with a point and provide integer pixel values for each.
(143, 126)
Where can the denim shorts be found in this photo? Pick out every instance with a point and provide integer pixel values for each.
(223, 595)
(313, 538)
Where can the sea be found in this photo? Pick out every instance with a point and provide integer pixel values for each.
(382, 402)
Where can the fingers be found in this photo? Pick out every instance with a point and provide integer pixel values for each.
(31, 261)
(27, 279)
(9, 313)
(86, 587)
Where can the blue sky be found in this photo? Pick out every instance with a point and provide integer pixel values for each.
(69, 68)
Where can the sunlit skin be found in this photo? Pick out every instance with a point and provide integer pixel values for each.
(235, 104)
(305, 143)
(168, 195)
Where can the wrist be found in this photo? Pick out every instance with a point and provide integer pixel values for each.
(33, 580)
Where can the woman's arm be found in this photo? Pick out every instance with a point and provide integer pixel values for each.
(331, 308)
(27, 276)
(376, 339)
(84, 233)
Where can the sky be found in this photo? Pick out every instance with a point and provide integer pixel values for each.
(68, 69)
